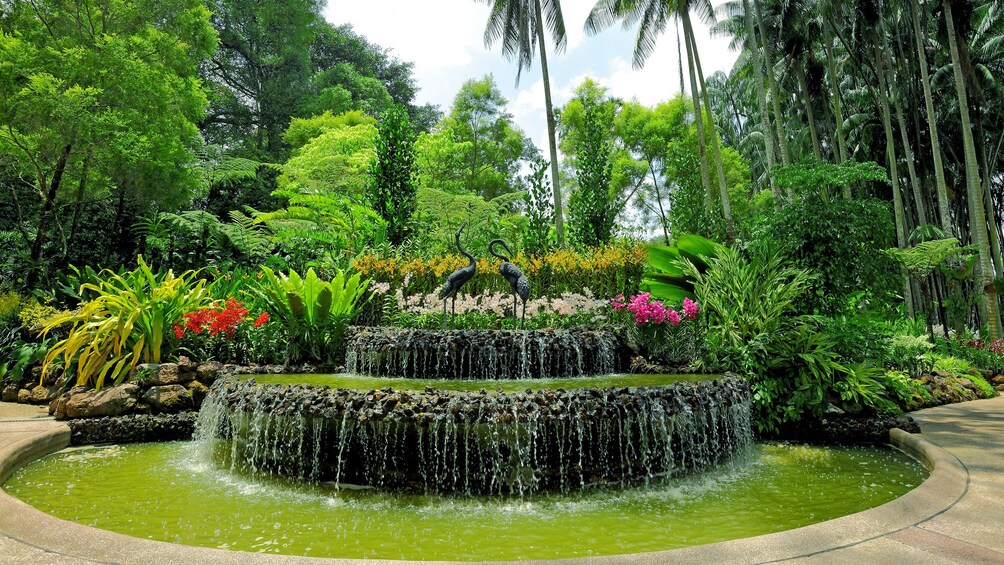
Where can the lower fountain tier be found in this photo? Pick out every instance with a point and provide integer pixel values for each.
(484, 354)
(458, 442)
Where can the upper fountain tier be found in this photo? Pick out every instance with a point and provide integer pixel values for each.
(484, 354)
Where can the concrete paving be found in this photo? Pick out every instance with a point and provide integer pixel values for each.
(956, 516)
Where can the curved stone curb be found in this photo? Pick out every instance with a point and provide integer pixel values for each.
(65, 541)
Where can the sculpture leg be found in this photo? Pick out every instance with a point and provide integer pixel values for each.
(523, 322)
(514, 308)
(444, 313)
(453, 312)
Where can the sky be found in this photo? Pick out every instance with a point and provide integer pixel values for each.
(445, 41)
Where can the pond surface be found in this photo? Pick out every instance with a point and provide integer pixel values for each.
(365, 382)
(171, 492)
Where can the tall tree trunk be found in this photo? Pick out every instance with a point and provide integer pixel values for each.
(838, 112)
(775, 97)
(679, 60)
(904, 137)
(978, 219)
(768, 134)
(890, 151)
(559, 224)
(730, 230)
(79, 202)
(48, 203)
(699, 123)
(932, 125)
(810, 114)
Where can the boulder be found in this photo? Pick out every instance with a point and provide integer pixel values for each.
(40, 395)
(9, 393)
(110, 401)
(169, 398)
(208, 371)
(997, 380)
(198, 390)
(24, 396)
(163, 374)
(186, 365)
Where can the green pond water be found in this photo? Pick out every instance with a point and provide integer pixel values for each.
(171, 492)
(364, 382)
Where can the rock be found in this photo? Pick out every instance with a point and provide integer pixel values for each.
(24, 396)
(9, 393)
(40, 395)
(167, 374)
(198, 390)
(997, 380)
(1000, 387)
(132, 428)
(208, 371)
(110, 401)
(186, 365)
(169, 398)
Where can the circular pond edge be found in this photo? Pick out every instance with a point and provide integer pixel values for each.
(37, 532)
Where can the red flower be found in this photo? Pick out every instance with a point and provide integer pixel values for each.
(261, 320)
(179, 331)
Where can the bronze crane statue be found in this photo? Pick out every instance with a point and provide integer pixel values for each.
(457, 278)
(517, 280)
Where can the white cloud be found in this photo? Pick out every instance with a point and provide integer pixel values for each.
(444, 39)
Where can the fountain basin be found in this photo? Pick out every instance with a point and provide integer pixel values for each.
(484, 354)
(466, 442)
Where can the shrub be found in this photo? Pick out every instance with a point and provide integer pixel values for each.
(10, 305)
(226, 331)
(127, 323)
(493, 310)
(667, 335)
(605, 271)
(987, 355)
(313, 313)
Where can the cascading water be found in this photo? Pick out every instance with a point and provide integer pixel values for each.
(483, 354)
(439, 441)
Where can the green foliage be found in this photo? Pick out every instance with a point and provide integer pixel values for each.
(591, 209)
(923, 258)
(127, 323)
(498, 146)
(19, 355)
(101, 108)
(34, 313)
(909, 351)
(962, 368)
(538, 208)
(747, 303)
(440, 213)
(302, 130)
(335, 162)
(313, 313)
(392, 187)
(440, 161)
(10, 305)
(841, 243)
(824, 180)
(667, 275)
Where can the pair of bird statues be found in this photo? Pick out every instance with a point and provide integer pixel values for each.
(517, 280)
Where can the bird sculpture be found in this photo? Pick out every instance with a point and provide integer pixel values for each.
(457, 278)
(517, 280)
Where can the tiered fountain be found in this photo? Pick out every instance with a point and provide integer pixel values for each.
(478, 442)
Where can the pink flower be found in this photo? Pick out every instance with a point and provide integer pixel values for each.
(690, 309)
(674, 317)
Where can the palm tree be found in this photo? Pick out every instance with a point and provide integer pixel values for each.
(652, 17)
(520, 25)
(768, 134)
(932, 122)
(974, 190)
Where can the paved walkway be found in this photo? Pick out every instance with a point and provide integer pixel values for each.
(972, 530)
(956, 516)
